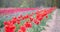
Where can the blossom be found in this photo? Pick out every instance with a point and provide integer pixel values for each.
(28, 24)
(39, 16)
(22, 29)
(26, 16)
(36, 21)
(7, 22)
(14, 19)
(46, 16)
(9, 28)
(18, 21)
(20, 16)
(31, 18)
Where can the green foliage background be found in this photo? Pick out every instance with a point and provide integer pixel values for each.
(28, 3)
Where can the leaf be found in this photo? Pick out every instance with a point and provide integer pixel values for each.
(43, 23)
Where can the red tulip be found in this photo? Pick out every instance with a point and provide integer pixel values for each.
(39, 16)
(31, 18)
(5, 23)
(20, 31)
(14, 17)
(36, 22)
(26, 16)
(28, 25)
(46, 16)
(18, 21)
(9, 28)
(13, 21)
(20, 16)
(23, 28)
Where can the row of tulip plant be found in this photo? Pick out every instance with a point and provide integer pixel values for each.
(29, 22)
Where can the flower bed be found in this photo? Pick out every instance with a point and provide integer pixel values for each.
(32, 22)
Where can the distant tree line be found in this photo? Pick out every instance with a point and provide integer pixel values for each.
(29, 3)
(58, 3)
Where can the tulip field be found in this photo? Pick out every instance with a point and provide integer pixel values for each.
(25, 19)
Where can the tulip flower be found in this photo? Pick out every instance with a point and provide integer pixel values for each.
(23, 28)
(9, 28)
(28, 25)
(37, 22)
